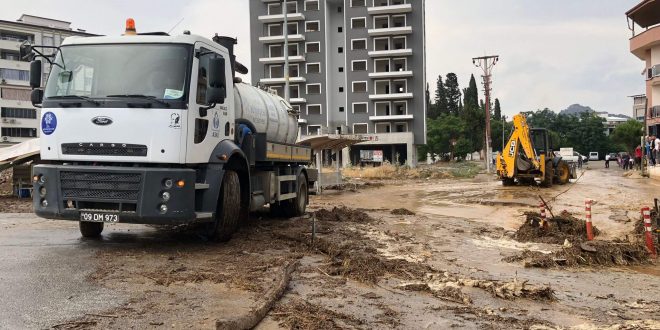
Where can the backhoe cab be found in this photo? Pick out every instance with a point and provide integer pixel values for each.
(529, 156)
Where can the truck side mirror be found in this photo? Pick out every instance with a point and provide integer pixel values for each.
(217, 91)
(37, 97)
(24, 50)
(35, 74)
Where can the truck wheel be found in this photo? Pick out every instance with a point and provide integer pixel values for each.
(296, 207)
(91, 229)
(508, 182)
(229, 206)
(549, 175)
(563, 173)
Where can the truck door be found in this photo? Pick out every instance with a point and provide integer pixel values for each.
(208, 123)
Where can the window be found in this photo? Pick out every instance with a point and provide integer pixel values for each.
(340, 50)
(380, 3)
(294, 92)
(294, 70)
(291, 7)
(359, 87)
(360, 108)
(359, 23)
(340, 29)
(401, 127)
(381, 22)
(382, 87)
(359, 44)
(13, 74)
(381, 44)
(18, 113)
(314, 109)
(360, 129)
(15, 94)
(358, 3)
(275, 51)
(293, 50)
(275, 71)
(314, 130)
(400, 64)
(359, 65)
(382, 108)
(202, 74)
(399, 21)
(312, 26)
(383, 128)
(275, 30)
(313, 47)
(275, 9)
(341, 89)
(312, 5)
(399, 43)
(339, 9)
(313, 68)
(314, 89)
(9, 55)
(292, 28)
(341, 69)
(400, 86)
(382, 65)
(19, 132)
(341, 109)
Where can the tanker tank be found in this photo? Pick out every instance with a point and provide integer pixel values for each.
(266, 112)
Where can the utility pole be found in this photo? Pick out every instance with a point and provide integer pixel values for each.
(486, 63)
(285, 29)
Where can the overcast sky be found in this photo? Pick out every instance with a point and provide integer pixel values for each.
(552, 53)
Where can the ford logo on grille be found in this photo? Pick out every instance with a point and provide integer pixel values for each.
(102, 121)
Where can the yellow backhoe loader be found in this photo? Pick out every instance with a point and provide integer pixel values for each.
(528, 156)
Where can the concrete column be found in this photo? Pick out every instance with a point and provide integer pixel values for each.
(319, 167)
(339, 181)
(411, 151)
(346, 157)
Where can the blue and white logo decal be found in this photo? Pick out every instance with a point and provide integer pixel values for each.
(48, 123)
(216, 121)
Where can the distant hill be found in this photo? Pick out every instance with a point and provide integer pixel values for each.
(577, 109)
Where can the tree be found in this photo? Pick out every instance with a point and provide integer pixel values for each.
(452, 93)
(497, 112)
(442, 132)
(628, 134)
(471, 94)
(440, 100)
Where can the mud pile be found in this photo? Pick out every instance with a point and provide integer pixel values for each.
(560, 228)
(402, 212)
(576, 250)
(298, 314)
(343, 214)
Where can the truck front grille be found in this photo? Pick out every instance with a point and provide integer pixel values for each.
(100, 186)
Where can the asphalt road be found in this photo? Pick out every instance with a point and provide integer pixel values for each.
(43, 266)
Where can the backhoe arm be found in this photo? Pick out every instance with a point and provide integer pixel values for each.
(521, 137)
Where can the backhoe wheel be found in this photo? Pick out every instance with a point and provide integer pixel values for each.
(508, 182)
(549, 175)
(296, 207)
(91, 229)
(563, 173)
(228, 210)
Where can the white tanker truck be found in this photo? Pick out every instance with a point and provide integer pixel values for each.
(157, 129)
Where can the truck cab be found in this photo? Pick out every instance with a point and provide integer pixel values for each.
(145, 129)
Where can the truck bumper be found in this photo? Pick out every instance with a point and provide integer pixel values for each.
(134, 194)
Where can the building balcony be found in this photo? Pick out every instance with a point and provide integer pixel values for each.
(297, 100)
(273, 81)
(277, 18)
(391, 74)
(272, 60)
(391, 52)
(9, 44)
(392, 96)
(280, 39)
(642, 42)
(394, 9)
(18, 65)
(392, 118)
(392, 31)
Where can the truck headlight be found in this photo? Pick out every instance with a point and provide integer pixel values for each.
(162, 208)
(44, 203)
(168, 183)
(40, 178)
(165, 196)
(42, 191)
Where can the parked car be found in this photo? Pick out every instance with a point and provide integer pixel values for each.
(613, 157)
(593, 155)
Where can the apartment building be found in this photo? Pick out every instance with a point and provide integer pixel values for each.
(356, 67)
(644, 22)
(639, 107)
(18, 118)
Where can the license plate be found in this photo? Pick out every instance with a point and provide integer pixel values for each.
(98, 217)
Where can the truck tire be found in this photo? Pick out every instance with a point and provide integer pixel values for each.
(549, 175)
(296, 207)
(563, 173)
(507, 182)
(228, 209)
(91, 229)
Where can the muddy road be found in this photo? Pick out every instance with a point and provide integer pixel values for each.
(435, 263)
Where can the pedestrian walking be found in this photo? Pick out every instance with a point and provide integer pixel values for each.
(580, 161)
(625, 161)
(607, 162)
(647, 148)
(638, 157)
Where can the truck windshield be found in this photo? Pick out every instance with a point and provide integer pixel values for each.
(156, 71)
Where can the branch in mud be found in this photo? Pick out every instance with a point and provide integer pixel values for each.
(250, 320)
